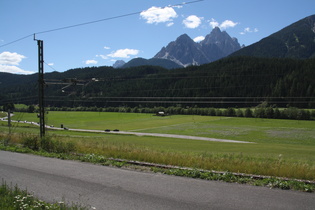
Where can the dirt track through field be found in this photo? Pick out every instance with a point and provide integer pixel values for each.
(142, 134)
(162, 135)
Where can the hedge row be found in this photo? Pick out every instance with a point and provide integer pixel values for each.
(258, 112)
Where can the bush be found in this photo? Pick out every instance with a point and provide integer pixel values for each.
(269, 112)
(239, 113)
(248, 113)
(259, 113)
(277, 114)
(230, 112)
(31, 142)
(50, 145)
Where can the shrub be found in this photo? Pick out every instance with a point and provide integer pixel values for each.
(31, 142)
(50, 145)
(269, 112)
(277, 114)
(248, 112)
(230, 112)
(239, 113)
(259, 113)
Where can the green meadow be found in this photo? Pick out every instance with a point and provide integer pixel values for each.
(283, 148)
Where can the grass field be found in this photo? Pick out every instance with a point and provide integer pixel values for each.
(282, 147)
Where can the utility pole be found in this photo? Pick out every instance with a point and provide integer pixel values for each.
(41, 85)
(9, 120)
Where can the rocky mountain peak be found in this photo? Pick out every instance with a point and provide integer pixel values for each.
(119, 63)
(183, 38)
(184, 51)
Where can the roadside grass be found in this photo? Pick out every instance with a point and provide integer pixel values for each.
(15, 198)
(283, 148)
(244, 158)
(271, 182)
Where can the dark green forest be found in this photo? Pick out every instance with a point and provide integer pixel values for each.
(230, 82)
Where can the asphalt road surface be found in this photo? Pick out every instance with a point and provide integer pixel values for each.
(113, 188)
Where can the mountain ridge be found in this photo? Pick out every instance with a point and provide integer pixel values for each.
(167, 64)
(296, 40)
(185, 51)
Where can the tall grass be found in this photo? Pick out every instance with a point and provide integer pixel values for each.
(15, 198)
(283, 148)
(233, 162)
(272, 165)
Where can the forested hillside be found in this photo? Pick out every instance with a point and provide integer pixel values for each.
(229, 82)
(294, 41)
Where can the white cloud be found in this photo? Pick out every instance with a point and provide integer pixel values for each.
(224, 25)
(123, 53)
(106, 48)
(249, 30)
(213, 23)
(199, 38)
(50, 64)
(9, 62)
(90, 62)
(192, 21)
(158, 15)
(8, 58)
(14, 70)
(170, 24)
(228, 24)
(102, 56)
(176, 6)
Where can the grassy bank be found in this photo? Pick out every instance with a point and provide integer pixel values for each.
(284, 148)
(15, 198)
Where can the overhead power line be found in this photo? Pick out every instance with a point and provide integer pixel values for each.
(92, 22)
(20, 39)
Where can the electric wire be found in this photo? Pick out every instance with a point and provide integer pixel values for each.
(94, 21)
(50, 66)
(20, 39)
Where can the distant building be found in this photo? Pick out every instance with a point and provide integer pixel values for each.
(160, 114)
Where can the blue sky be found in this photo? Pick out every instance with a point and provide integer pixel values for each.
(145, 26)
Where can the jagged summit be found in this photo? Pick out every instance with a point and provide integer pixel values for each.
(184, 51)
(223, 40)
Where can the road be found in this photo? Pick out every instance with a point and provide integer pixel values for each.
(162, 135)
(113, 188)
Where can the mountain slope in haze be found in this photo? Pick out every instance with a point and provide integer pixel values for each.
(119, 64)
(167, 64)
(294, 41)
(184, 51)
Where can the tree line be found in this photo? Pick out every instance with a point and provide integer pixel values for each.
(260, 111)
(284, 82)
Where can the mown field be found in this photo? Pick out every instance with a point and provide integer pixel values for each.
(278, 148)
